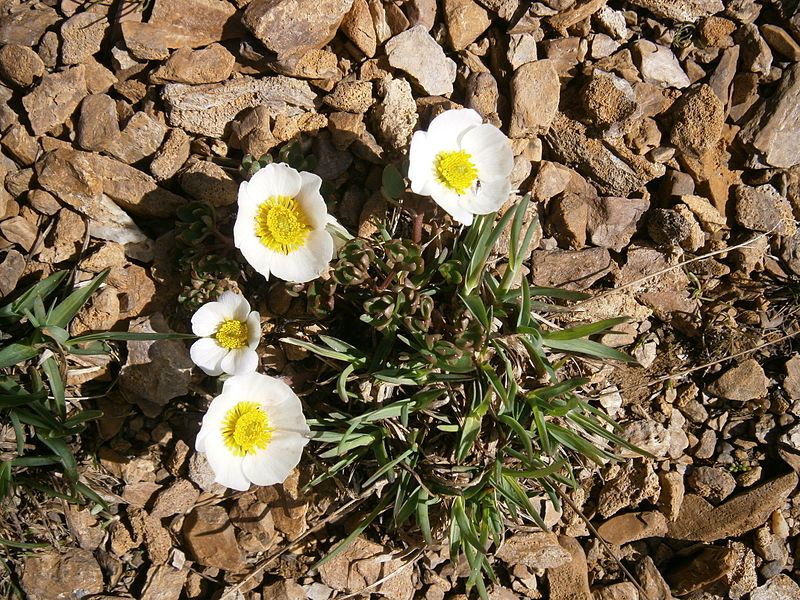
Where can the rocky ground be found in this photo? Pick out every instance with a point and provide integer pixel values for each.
(660, 141)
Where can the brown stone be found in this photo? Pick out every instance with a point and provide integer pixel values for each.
(211, 539)
(712, 483)
(48, 575)
(208, 65)
(11, 269)
(465, 20)
(172, 155)
(535, 93)
(295, 26)
(210, 183)
(395, 116)
(416, 53)
(681, 10)
(763, 208)
(613, 221)
(571, 580)
(574, 270)
(701, 570)
(81, 37)
(631, 527)
(98, 126)
(20, 145)
(351, 96)
(176, 499)
(700, 521)
(19, 65)
(781, 41)
(19, 230)
(25, 26)
(55, 98)
(539, 550)
(746, 381)
(101, 313)
(140, 138)
(699, 118)
(164, 582)
(358, 27)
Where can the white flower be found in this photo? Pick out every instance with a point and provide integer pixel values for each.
(253, 432)
(462, 163)
(281, 224)
(230, 332)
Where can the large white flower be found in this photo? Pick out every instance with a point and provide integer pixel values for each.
(462, 163)
(229, 333)
(253, 432)
(281, 224)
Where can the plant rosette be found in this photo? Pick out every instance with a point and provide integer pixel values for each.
(230, 333)
(254, 432)
(462, 163)
(282, 223)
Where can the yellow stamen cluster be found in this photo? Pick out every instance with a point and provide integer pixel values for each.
(455, 170)
(281, 224)
(232, 334)
(246, 429)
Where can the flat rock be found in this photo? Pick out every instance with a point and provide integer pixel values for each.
(293, 27)
(11, 270)
(81, 37)
(207, 65)
(207, 109)
(364, 563)
(763, 208)
(791, 383)
(636, 482)
(780, 587)
(708, 566)
(699, 119)
(700, 521)
(172, 155)
(746, 381)
(681, 10)
(169, 358)
(465, 20)
(571, 580)
(572, 269)
(535, 93)
(26, 26)
(206, 181)
(98, 125)
(19, 65)
(774, 129)
(395, 116)
(78, 178)
(211, 539)
(610, 101)
(614, 173)
(214, 20)
(539, 550)
(712, 483)
(55, 98)
(164, 582)
(357, 25)
(617, 591)
(659, 65)
(781, 41)
(140, 138)
(178, 498)
(613, 221)
(69, 576)
(417, 53)
(630, 527)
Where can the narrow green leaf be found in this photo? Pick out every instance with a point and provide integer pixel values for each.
(59, 446)
(16, 353)
(23, 545)
(128, 336)
(582, 331)
(42, 289)
(62, 314)
(56, 382)
(589, 348)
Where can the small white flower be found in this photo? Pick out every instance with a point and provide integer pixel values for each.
(253, 432)
(281, 224)
(462, 163)
(230, 332)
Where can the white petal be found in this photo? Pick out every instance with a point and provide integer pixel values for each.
(253, 330)
(307, 262)
(240, 361)
(275, 179)
(213, 419)
(256, 254)
(207, 318)
(208, 355)
(446, 130)
(338, 232)
(420, 162)
(273, 464)
(490, 152)
(227, 466)
(311, 201)
(489, 197)
(451, 202)
(255, 387)
(235, 305)
(286, 414)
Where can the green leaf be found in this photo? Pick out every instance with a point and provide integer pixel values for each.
(16, 353)
(56, 381)
(42, 290)
(23, 545)
(128, 336)
(589, 348)
(476, 306)
(582, 331)
(62, 314)
(392, 182)
(423, 517)
(21, 399)
(59, 446)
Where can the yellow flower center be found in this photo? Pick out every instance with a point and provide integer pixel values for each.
(455, 170)
(232, 334)
(281, 224)
(246, 429)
